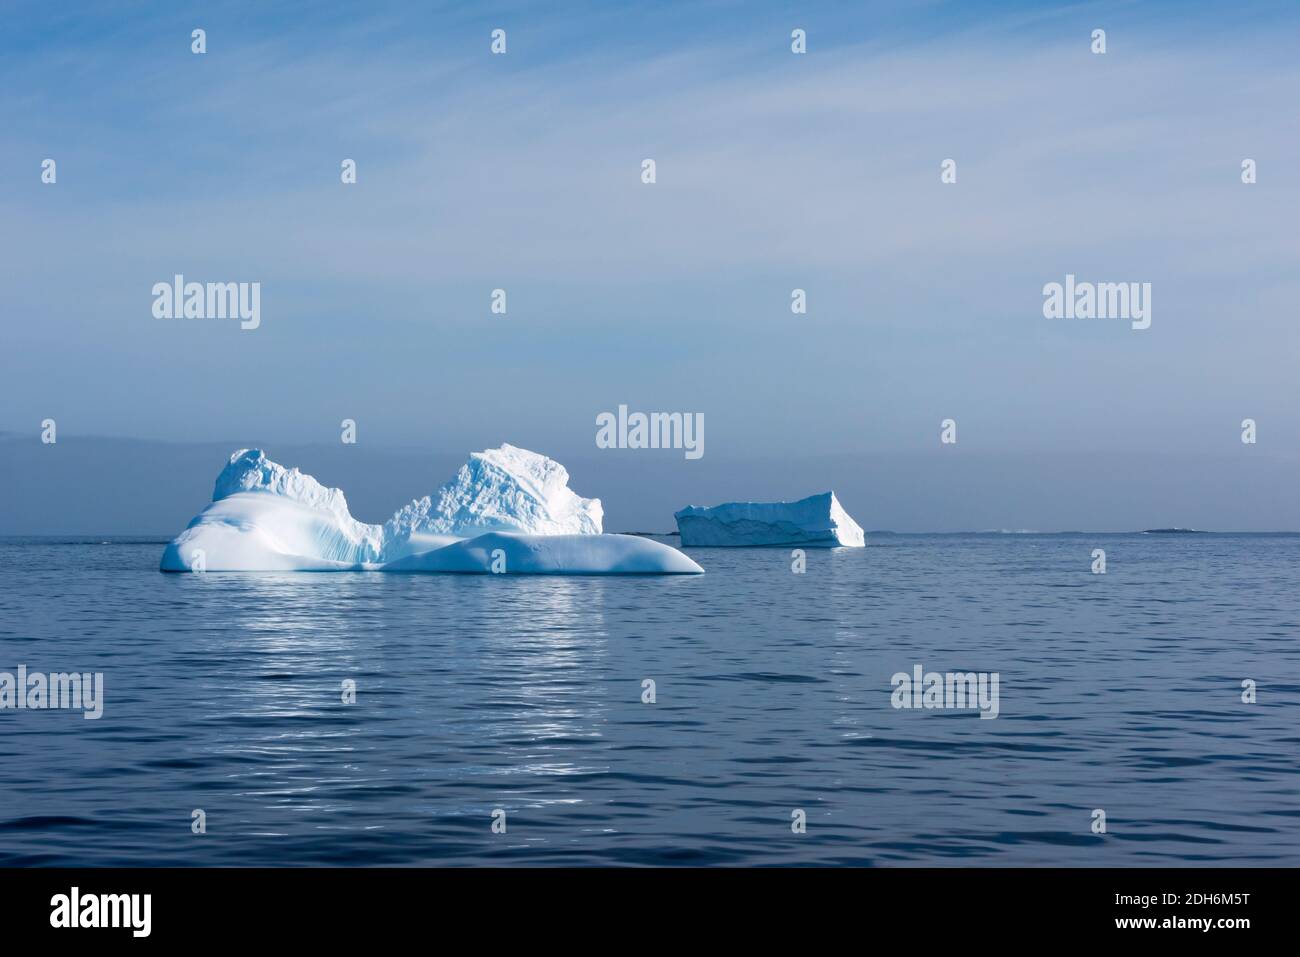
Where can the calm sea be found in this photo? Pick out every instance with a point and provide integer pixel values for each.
(223, 692)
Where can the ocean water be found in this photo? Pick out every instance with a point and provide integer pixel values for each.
(1120, 692)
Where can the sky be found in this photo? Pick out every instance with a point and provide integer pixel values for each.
(775, 171)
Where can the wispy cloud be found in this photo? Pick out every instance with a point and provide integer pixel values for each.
(774, 171)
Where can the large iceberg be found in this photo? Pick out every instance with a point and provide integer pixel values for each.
(816, 521)
(506, 510)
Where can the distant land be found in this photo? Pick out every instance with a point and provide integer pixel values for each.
(87, 485)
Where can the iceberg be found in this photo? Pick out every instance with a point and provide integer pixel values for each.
(818, 521)
(506, 510)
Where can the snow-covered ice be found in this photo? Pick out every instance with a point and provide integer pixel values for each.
(552, 555)
(264, 517)
(817, 521)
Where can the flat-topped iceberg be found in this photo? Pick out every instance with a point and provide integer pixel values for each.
(815, 521)
(506, 510)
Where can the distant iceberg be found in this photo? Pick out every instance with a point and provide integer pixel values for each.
(507, 510)
(818, 521)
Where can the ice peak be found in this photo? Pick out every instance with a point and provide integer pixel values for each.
(249, 470)
(502, 489)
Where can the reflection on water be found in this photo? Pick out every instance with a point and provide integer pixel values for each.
(225, 692)
(508, 680)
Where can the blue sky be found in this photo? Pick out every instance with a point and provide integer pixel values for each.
(775, 171)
